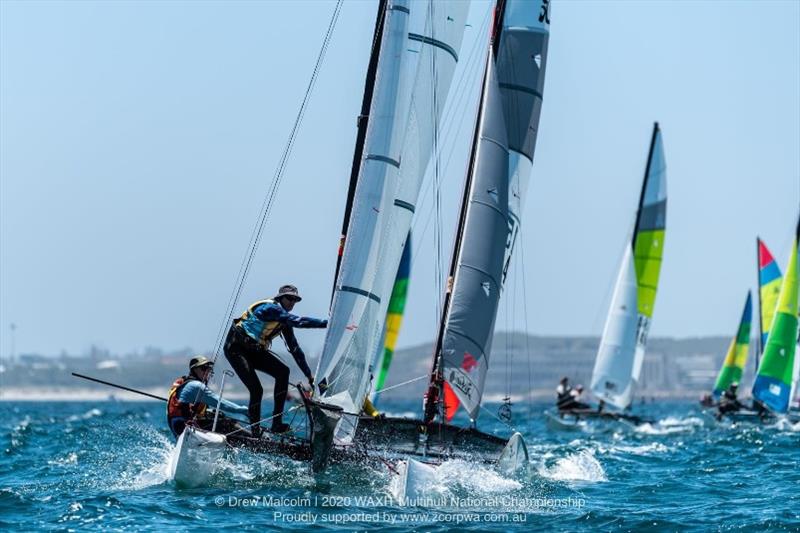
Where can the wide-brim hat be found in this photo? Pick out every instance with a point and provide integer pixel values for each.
(288, 291)
(199, 361)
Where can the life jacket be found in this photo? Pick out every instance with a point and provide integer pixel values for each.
(179, 412)
(257, 329)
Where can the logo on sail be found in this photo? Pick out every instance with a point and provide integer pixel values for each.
(469, 362)
(544, 14)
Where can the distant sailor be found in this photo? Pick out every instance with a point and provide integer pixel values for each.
(247, 349)
(563, 396)
(576, 394)
(729, 403)
(189, 397)
(567, 398)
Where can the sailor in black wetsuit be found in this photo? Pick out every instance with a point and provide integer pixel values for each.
(247, 349)
(729, 403)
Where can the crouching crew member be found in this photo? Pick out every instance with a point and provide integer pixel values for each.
(189, 397)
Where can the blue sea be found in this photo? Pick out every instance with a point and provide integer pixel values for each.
(87, 466)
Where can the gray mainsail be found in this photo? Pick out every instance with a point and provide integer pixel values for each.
(490, 217)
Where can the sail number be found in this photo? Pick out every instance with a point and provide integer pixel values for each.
(544, 14)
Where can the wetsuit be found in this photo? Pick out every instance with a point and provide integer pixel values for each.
(247, 349)
(729, 403)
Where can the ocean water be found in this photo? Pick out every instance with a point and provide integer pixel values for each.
(82, 466)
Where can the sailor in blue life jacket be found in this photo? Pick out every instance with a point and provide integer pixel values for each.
(247, 349)
(189, 397)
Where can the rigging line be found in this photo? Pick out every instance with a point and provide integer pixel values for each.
(269, 199)
(266, 206)
(498, 418)
(527, 333)
(424, 376)
(436, 166)
(472, 66)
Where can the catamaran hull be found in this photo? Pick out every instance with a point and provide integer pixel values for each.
(195, 457)
(407, 437)
(577, 420)
(415, 477)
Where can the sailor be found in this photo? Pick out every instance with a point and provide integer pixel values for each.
(707, 400)
(247, 349)
(189, 397)
(576, 394)
(729, 403)
(564, 394)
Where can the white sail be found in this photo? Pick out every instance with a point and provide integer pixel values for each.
(612, 378)
(419, 51)
(621, 353)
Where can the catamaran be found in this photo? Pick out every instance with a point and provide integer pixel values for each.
(620, 356)
(500, 164)
(414, 54)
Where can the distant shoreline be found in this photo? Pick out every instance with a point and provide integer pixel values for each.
(51, 394)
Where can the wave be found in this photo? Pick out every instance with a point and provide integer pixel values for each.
(580, 466)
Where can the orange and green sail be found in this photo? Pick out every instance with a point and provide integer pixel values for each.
(394, 316)
(769, 287)
(733, 366)
(773, 382)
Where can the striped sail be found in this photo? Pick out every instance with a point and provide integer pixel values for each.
(773, 382)
(394, 316)
(621, 352)
(418, 54)
(733, 366)
(769, 287)
(502, 160)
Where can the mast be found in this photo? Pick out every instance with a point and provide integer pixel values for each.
(362, 123)
(644, 184)
(434, 396)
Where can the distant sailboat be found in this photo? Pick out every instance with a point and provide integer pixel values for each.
(736, 358)
(775, 376)
(622, 347)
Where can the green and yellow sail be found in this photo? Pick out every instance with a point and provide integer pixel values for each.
(733, 366)
(394, 316)
(773, 382)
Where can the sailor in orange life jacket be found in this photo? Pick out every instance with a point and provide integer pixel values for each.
(189, 397)
(247, 348)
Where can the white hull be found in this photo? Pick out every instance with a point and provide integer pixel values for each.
(415, 477)
(195, 457)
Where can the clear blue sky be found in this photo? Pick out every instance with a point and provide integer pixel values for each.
(137, 141)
